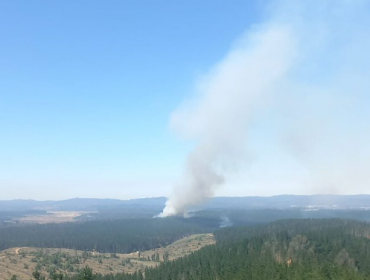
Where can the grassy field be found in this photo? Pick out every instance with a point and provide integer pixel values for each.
(23, 261)
(52, 217)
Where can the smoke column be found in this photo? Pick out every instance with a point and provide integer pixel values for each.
(275, 60)
(226, 101)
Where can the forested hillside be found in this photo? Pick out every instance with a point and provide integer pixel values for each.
(291, 249)
(238, 217)
(116, 236)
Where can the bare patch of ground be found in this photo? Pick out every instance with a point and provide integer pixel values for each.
(23, 261)
(17, 250)
(52, 217)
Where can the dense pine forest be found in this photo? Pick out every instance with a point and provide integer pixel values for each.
(129, 235)
(116, 236)
(289, 249)
(251, 244)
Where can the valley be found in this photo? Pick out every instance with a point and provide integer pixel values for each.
(120, 240)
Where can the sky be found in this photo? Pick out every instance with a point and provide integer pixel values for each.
(107, 99)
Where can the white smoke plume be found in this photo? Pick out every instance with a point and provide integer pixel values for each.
(225, 222)
(287, 59)
(219, 119)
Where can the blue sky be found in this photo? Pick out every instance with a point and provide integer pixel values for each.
(88, 88)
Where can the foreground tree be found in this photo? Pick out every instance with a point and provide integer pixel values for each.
(37, 275)
(87, 274)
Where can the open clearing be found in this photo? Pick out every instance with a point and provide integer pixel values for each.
(23, 261)
(52, 217)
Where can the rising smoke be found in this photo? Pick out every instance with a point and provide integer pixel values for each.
(305, 58)
(225, 222)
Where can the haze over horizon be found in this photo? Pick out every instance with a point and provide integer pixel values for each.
(106, 100)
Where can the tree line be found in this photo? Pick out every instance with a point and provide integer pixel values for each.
(291, 249)
(116, 236)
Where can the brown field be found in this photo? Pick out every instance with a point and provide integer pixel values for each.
(23, 261)
(52, 217)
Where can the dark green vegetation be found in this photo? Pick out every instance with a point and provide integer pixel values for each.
(116, 236)
(238, 217)
(259, 243)
(129, 235)
(290, 249)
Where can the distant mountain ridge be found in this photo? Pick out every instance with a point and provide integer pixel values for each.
(292, 201)
(249, 202)
(81, 204)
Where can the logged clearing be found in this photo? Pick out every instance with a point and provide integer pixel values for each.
(23, 261)
(52, 217)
